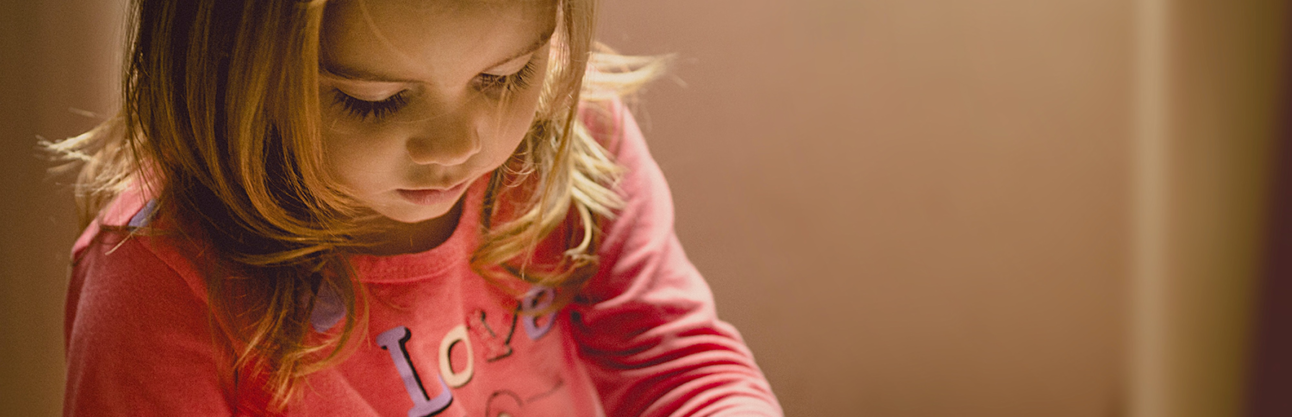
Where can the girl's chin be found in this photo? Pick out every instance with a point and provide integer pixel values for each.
(408, 213)
(406, 231)
(414, 216)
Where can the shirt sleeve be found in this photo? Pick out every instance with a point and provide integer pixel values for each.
(646, 323)
(138, 338)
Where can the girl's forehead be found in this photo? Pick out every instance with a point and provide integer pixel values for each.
(430, 38)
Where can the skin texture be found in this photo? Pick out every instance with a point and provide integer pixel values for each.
(433, 112)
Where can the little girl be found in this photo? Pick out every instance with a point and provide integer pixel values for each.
(385, 207)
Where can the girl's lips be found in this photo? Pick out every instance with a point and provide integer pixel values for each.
(433, 196)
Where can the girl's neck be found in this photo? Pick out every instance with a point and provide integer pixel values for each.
(401, 238)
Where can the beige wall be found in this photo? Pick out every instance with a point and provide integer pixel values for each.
(57, 60)
(909, 208)
(973, 208)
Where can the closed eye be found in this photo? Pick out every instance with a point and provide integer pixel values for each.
(363, 109)
(494, 85)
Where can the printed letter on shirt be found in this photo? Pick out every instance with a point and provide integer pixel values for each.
(456, 336)
(537, 299)
(393, 340)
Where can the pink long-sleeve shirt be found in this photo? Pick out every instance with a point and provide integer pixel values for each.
(642, 339)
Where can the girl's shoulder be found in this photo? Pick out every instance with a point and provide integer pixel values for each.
(137, 312)
(645, 221)
(610, 123)
(131, 236)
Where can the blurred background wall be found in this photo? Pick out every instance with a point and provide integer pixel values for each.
(58, 78)
(909, 208)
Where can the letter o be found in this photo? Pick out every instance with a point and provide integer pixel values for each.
(458, 379)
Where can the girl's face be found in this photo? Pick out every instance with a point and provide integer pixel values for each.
(420, 97)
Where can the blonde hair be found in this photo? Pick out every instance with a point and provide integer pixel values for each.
(222, 129)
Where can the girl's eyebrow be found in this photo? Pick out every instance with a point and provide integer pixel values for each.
(538, 43)
(358, 74)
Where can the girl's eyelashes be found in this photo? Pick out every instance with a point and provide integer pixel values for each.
(490, 84)
(495, 85)
(363, 109)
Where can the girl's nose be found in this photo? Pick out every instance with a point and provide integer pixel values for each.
(449, 139)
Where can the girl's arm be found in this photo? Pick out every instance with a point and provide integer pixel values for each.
(648, 330)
